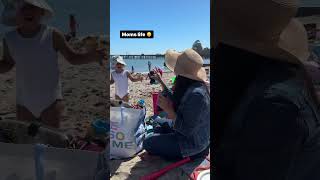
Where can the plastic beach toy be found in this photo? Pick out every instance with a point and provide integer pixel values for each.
(100, 126)
(155, 96)
(141, 102)
(173, 79)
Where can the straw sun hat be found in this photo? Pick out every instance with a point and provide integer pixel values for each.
(11, 6)
(263, 27)
(187, 64)
(294, 39)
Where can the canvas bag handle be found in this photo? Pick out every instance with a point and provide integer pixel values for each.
(122, 115)
(38, 158)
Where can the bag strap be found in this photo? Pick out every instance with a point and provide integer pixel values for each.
(39, 150)
(122, 115)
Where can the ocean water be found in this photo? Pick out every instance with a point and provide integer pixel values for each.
(92, 16)
(141, 65)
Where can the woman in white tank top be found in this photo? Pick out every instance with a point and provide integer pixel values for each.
(33, 47)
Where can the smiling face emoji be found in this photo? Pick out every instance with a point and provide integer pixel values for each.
(149, 34)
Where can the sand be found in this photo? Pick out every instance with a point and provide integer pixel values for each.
(135, 167)
(85, 94)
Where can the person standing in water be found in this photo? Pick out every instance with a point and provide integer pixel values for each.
(73, 25)
(149, 66)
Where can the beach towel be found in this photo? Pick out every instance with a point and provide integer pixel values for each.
(126, 131)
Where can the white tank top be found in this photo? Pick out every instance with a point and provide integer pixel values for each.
(38, 82)
(121, 83)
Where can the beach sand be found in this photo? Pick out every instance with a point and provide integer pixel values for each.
(84, 95)
(135, 167)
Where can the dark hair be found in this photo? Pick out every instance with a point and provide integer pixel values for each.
(181, 85)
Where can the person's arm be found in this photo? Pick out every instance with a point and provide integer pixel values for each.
(166, 104)
(134, 79)
(187, 117)
(271, 135)
(74, 57)
(7, 63)
(157, 77)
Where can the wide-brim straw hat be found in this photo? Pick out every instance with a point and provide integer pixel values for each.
(187, 64)
(16, 4)
(294, 39)
(262, 27)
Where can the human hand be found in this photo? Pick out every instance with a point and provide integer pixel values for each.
(156, 76)
(165, 104)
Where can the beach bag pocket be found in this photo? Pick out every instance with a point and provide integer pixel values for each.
(126, 131)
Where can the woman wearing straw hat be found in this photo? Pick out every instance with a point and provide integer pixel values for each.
(189, 110)
(266, 112)
(33, 48)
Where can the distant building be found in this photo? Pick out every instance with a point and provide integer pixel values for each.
(309, 15)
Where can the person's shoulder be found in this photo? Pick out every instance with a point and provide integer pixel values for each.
(199, 88)
(126, 72)
(290, 90)
(199, 92)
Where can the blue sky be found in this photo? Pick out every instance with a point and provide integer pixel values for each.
(176, 24)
